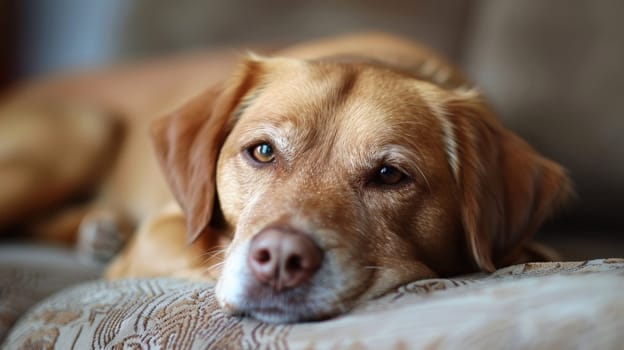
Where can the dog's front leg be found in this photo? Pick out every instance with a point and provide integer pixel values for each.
(159, 248)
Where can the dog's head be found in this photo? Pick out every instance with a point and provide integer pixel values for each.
(338, 181)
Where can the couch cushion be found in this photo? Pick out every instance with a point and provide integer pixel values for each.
(549, 305)
(30, 273)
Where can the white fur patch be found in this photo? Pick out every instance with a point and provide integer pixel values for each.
(230, 288)
(448, 134)
(450, 144)
(436, 103)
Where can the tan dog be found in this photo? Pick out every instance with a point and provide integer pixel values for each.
(333, 172)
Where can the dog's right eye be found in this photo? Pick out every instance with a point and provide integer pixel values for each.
(262, 153)
(387, 175)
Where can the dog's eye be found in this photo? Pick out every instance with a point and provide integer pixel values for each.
(263, 153)
(389, 175)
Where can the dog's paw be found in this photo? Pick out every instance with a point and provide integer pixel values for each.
(100, 236)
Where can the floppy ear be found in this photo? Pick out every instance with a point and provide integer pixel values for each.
(506, 189)
(187, 144)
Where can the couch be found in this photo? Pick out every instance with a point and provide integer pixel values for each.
(534, 305)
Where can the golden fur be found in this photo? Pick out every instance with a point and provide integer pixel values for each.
(470, 197)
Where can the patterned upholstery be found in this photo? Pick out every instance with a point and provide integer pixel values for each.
(30, 273)
(536, 305)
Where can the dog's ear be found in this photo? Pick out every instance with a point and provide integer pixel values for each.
(506, 189)
(187, 144)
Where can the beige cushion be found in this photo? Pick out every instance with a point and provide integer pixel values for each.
(30, 273)
(536, 305)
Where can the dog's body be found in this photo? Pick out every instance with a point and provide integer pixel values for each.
(319, 178)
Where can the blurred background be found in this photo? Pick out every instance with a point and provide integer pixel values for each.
(552, 69)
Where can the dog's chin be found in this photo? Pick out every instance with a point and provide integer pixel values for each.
(285, 314)
(303, 304)
(281, 310)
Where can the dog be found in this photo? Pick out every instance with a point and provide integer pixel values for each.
(322, 175)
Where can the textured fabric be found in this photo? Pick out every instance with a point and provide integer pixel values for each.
(29, 273)
(536, 305)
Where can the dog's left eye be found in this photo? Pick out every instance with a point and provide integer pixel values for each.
(262, 153)
(389, 175)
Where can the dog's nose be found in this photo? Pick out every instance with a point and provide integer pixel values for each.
(282, 258)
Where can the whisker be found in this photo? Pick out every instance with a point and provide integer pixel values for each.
(210, 264)
(212, 253)
(217, 265)
(217, 248)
